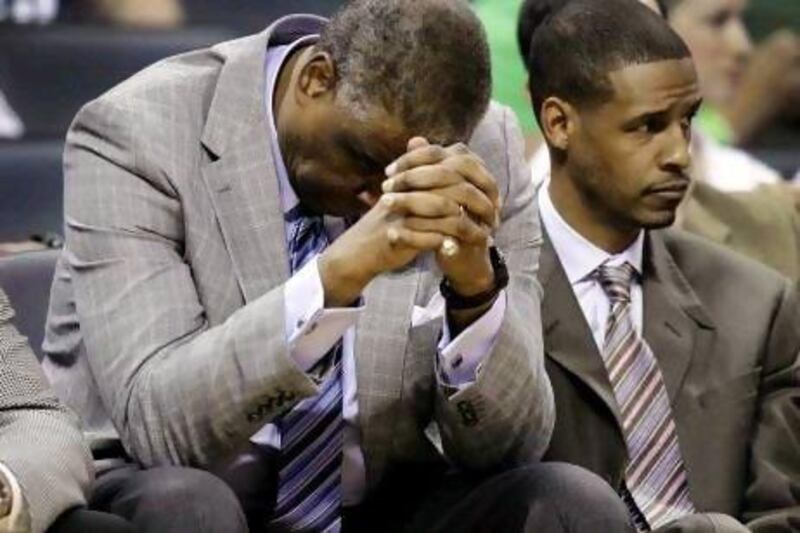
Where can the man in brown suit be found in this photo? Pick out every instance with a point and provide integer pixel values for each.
(674, 363)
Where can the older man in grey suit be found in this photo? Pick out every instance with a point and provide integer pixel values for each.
(45, 468)
(315, 363)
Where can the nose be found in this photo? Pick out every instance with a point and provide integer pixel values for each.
(739, 39)
(676, 156)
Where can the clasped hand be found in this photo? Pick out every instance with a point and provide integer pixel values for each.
(432, 193)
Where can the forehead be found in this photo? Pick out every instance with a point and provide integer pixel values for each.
(371, 131)
(657, 85)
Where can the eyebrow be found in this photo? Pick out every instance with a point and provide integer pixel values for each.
(660, 113)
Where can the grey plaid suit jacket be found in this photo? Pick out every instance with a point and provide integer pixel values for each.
(40, 442)
(176, 259)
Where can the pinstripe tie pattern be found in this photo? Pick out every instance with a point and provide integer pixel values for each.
(310, 462)
(655, 475)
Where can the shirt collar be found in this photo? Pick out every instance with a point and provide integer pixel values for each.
(276, 57)
(579, 257)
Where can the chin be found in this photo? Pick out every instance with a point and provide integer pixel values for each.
(660, 220)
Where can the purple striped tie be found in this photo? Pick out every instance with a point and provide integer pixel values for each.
(310, 462)
(655, 476)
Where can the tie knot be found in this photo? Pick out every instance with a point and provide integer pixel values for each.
(616, 281)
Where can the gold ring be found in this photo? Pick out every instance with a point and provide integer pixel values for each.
(449, 247)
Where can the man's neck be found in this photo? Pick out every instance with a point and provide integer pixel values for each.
(585, 218)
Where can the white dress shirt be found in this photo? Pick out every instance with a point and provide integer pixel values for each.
(312, 330)
(580, 259)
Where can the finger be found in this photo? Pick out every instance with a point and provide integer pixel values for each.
(473, 169)
(424, 178)
(416, 142)
(462, 228)
(399, 236)
(474, 201)
(428, 154)
(420, 204)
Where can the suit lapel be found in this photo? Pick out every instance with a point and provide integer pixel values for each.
(239, 171)
(678, 330)
(246, 198)
(568, 339)
(674, 318)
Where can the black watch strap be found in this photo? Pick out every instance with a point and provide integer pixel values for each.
(459, 302)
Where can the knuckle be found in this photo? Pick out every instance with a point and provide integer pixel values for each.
(460, 148)
(433, 152)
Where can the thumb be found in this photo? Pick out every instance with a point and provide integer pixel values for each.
(416, 142)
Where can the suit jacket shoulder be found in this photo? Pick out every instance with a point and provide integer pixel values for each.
(762, 224)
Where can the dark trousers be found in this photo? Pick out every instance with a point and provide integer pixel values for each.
(542, 498)
(83, 521)
(169, 500)
(539, 498)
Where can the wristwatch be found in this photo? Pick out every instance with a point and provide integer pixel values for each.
(457, 301)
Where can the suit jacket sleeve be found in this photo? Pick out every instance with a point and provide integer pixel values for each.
(772, 500)
(178, 390)
(507, 414)
(40, 443)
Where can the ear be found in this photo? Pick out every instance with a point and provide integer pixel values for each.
(317, 76)
(558, 120)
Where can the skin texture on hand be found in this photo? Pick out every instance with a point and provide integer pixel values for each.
(432, 193)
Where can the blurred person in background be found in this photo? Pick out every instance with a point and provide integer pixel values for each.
(746, 88)
(156, 14)
(131, 13)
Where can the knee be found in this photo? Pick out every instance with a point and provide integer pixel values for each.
(184, 486)
(581, 500)
(191, 496)
(577, 486)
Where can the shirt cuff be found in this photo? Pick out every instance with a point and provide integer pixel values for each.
(16, 517)
(311, 330)
(460, 360)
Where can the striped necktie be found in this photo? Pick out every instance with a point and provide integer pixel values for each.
(310, 462)
(655, 478)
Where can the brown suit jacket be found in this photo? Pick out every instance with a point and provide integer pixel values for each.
(762, 224)
(726, 332)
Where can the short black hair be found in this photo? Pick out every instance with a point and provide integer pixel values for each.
(425, 61)
(532, 14)
(573, 52)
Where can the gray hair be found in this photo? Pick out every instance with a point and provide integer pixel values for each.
(424, 61)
